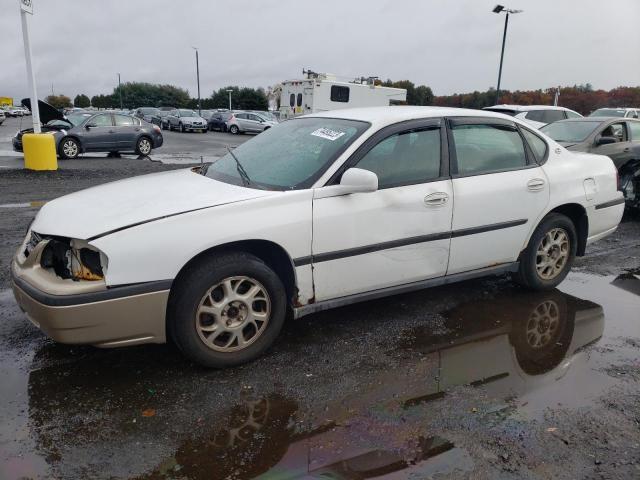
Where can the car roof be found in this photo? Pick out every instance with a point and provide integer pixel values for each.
(398, 113)
(599, 119)
(525, 108)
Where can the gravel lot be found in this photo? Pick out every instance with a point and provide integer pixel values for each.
(434, 384)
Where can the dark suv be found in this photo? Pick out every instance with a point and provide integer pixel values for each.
(218, 121)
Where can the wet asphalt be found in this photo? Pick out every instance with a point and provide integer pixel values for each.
(480, 379)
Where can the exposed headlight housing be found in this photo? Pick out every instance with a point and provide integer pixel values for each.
(69, 258)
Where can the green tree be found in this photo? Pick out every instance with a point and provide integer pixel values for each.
(58, 101)
(81, 101)
(241, 98)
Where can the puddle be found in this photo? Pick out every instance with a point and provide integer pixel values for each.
(389, 389)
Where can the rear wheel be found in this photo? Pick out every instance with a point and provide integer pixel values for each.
(550, 253)
(69, 148)
(234, 129)
(226, 310)
(143, 147)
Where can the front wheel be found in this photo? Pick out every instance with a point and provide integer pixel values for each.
(234, 129)
(182, 128)
(69, 148)
(226, 310)
(550, 253)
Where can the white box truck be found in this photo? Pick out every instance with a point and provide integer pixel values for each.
(320, 92)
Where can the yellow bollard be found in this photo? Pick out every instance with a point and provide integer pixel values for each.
(39, 151)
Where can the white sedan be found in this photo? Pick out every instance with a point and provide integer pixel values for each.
(317, 212)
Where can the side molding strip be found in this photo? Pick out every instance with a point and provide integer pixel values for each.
(611, 203)
(351, 252)
(407, 287)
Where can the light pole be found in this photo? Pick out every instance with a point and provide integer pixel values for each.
(229, 92)
(198, 78)
(120, 91)
(500, 9)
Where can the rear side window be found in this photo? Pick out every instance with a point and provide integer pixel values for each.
(538, 146)
(487, 148)
(241, 115)
(535, 115)
(405, 158)
(122, 121)
(634, 129)
(339, 94)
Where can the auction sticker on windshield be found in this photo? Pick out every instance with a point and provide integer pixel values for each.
(327, 133)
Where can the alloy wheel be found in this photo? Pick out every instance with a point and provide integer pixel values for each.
(552, 254)
(70, 148)
(543, 324)
(144, 146)
(233, 314)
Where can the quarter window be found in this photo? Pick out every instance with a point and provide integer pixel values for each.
(405, 158)
(339, 94)
(487, 148)
(538, 146)
(123, 121)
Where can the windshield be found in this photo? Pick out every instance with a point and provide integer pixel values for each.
(608, 112)
(291, 155)
(570, 131)
(187, 113)
(149, 111)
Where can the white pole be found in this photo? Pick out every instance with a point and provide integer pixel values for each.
(35, 111)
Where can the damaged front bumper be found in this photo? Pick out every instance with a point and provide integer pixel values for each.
(88, 312)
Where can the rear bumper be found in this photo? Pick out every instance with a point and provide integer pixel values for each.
(108, 317)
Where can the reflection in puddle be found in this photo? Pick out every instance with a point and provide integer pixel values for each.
(515, 352)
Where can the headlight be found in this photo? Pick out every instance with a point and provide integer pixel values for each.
(73, 259)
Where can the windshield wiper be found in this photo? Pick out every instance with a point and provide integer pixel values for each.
(241, 171)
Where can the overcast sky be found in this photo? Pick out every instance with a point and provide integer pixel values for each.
(450, 45)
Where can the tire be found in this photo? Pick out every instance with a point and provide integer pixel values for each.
(163, 125)
(181, 127)
(201, 288)
(69, 148)
(234, 129)
(144, 146)
(546, 271)
(630, 183)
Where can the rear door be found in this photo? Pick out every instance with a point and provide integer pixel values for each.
(99, 132)
(499, 192)
(396, 235)
(127, 130)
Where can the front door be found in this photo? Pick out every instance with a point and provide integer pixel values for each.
(620, 151)
(396, 235)
(499, 189)
(99, 133)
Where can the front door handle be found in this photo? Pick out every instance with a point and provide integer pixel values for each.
(436, 199)
(535, 185)
(626, 150)
(112, 131)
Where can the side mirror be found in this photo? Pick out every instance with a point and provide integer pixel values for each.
(90, 125)
(606, 141)
(354, 180)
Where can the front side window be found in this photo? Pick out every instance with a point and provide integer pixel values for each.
(616, 130)
(101, 120)
(123, 121)
(292, 100)
(405, 158)
(299, 101)
(339, 94)
(291, 155)
(487, 148)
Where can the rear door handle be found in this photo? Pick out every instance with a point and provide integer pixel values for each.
(436, 199)
(626, 150)
(535, 185)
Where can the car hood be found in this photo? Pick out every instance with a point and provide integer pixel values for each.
(47, 112)
(100, 210)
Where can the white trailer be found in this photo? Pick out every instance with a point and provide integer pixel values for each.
(321, 92)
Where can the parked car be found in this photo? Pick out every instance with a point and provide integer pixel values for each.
(535, 115)
(146, 113)
(14, 112)
(218, 121)
(248, 122)
(2, 116)
(618, 138)
(94, 132)
(318, 212)
(616, 112)
(185, 119)
(159, 117)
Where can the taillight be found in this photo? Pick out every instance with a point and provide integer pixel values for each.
(157, 128)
